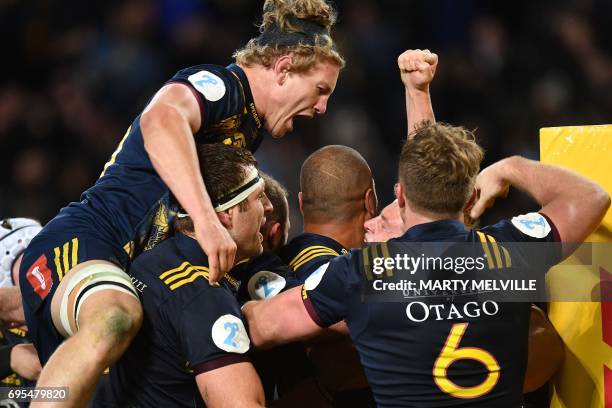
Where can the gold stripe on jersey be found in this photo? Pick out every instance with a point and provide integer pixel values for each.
(185, 273)
(65, 250)
(243, 261)
(304, 251)
(314, 254)
(384, 249)
(366, 263)
(188, 271)
(58, 265)
(374, 249)
(129, 249)
(66, 257)
(171, 271)
(507, 257)
(197, 273)
(498, 255)
(485, 247)
(495, 251)
(75, 252)
(116, 152)
(309, 253)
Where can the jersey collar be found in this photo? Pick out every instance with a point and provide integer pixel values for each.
(310, 238)
(248, 95)
(433, 231)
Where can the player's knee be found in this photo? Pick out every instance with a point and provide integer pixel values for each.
(110, 330)
(99, 296)
(120, 322)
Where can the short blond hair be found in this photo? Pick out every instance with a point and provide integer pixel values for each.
(290, 17)
(438, 167)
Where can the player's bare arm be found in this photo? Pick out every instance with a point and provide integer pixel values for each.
(575, 204)
(234, 385)
(280, 319)
(10, 306)
(417, 70)
(168, 125)
(25, 362)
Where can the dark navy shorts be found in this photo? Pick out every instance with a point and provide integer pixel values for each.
(50, 255)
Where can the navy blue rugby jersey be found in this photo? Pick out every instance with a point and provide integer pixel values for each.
(129, 186)
(435, 351)
(189, 327)
(262, 277)
(307, 251)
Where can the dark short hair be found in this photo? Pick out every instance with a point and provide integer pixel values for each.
(223, 168)
(438, 167)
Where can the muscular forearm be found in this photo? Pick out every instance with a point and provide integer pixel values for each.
(575, 204)
(171, 147)
(548, 183)
(262, 335)
(279, 320)
(418, 108)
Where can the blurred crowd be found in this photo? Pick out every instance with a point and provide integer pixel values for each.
(75, 74)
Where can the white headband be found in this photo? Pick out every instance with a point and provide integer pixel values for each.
(250, 184)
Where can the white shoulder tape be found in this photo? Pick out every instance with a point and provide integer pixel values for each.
(533, 224)
(208, 84)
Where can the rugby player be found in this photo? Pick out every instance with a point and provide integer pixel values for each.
(454, 360)
(289, 71)
(267, 275)
(193, 344)
(545, 346)
(337, 195)
(264, 276)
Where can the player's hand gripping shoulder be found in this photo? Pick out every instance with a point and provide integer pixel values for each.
(575, 204)
(218, 246)
(417, 69)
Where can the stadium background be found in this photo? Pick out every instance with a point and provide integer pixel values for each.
(74, 75)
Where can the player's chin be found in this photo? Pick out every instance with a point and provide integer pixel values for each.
(257, 247)
(279, 132)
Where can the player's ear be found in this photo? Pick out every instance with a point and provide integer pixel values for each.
(399, 194)
(275, 236)
(226, 218)
(470, 203)
(300, 203)
(282, 67)
(370, 202)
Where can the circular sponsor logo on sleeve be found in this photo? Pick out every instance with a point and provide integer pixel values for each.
(265, 284)
(229, 334)
(315, 278)
(533, 224)
(208, 84)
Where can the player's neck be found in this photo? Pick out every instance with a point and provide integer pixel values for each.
(258, 77)
(348, 234)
